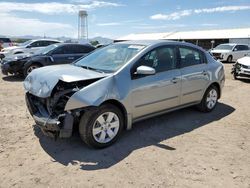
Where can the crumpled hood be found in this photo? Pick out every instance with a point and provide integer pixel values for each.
(40, 82)
(244, 61)
(220, 51)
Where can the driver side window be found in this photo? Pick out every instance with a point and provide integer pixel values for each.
(161, 59)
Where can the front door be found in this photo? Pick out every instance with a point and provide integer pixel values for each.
(161, 91)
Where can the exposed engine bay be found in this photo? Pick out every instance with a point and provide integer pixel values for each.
(49, 112)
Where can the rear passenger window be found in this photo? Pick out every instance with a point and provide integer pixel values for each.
(190, 57)
(84, 49)
(242, 47)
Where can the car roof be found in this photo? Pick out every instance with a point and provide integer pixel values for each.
(33, 40)
(233, 44)
(160, 42)
(68, 44)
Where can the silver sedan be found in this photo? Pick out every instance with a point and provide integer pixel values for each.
(115, 86)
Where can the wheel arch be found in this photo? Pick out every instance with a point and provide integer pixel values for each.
(217, 85)
(121, 107)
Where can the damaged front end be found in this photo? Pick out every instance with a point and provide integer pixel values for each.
(49, 112)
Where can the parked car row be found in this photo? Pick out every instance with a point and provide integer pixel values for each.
(38, 53)
(29, 46)
(59, 53)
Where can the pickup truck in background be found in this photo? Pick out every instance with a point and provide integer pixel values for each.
(230, 52)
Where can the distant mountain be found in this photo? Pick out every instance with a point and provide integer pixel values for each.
(102, 40)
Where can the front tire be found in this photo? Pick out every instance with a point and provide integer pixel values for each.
(235, 76)
(99, 128)
(230, 59)
(209, 99)
(28, 69)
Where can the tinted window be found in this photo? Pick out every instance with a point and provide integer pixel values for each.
(66, 49)
(161, 59)
(52, 42)
(59, 50)
(35, 44)
(242, 47)
(5, 40)
(189, 57)
(81, 49)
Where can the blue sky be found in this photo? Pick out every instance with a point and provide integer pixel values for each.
(110, 18)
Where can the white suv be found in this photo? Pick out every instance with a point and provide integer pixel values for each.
(28, 47)
(230, 52)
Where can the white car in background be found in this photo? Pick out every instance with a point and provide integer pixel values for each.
(230, 52)
(29, 46)
(5, 42)
(241, 68)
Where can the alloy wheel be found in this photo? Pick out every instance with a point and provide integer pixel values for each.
(106, 127)
(212, 98)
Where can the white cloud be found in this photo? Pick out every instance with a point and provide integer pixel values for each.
(221, 9)
(209, 24)
(184, 13)
(109, 24)
(14, 26)
(54, 7)
(173, 16)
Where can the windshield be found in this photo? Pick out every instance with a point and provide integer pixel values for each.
(224, 47)
(110, 58)
(47, 49)
(26, 43)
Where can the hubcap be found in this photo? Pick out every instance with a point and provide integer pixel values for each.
(31, 68)
(212, 98)
(106, 127)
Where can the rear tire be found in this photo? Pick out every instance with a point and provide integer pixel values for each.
(209, 99)
(99, 128)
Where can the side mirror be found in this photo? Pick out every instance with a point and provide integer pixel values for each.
(29, 46)
(235, 49)
(145, 70)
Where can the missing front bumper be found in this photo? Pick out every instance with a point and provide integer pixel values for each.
(61, 127)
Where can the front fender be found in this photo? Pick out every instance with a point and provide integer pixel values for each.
(94, 94)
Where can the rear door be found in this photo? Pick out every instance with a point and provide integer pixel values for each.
(195, 76)
(60, 55)
(161, 91)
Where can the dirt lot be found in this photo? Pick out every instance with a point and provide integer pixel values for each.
(180, 149)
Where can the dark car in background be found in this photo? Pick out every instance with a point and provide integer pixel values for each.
(60, 53)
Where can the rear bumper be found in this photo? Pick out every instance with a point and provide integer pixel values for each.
(51, 126)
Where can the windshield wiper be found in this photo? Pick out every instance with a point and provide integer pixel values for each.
(91, 68)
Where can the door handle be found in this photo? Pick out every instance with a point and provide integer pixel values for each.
(175, 80)
(71, 58)
(204, 73)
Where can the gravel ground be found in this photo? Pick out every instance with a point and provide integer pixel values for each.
(185, 148)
